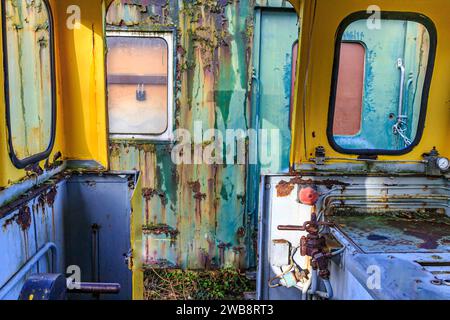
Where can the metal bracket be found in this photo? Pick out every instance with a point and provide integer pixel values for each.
(431, 167)
(320, 156)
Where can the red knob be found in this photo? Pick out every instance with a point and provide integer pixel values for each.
(308, 196)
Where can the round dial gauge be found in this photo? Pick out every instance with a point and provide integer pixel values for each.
(443, 164)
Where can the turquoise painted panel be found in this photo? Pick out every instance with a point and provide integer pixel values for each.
(279, 33)
(195, 213)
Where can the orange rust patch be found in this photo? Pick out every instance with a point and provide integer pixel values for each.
(284, 189)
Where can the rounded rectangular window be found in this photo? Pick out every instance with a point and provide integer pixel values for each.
(349, 96)
(381, 82)
(29, 79)
(138, 85)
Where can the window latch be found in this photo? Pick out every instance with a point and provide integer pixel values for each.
(141, 94)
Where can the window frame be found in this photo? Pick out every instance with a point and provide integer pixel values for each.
(385, 15)
(23, 163)
(169, 37)
(294, 69)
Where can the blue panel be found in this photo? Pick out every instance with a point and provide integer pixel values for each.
(102, 201)
(26, 230)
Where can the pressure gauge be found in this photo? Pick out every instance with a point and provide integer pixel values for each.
(443, 164)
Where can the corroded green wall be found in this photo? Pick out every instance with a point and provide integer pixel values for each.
(196, 214)
(28, 50)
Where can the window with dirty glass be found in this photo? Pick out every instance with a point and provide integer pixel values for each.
(138, 85)
(29, 79)
(381, 81)
(349, 97)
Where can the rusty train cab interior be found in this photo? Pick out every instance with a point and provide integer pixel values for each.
(296, 150)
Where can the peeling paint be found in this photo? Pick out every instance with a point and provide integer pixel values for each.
(205, 204)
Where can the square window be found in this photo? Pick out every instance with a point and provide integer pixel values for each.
(140, 82)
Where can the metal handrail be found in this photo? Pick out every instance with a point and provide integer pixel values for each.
(13, 281)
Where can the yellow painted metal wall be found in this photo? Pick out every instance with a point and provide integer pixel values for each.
(321, 19)
(82, 72)
(81, 132)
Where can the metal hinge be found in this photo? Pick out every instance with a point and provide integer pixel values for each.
(129, 259)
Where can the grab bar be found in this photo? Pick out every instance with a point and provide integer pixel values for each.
(400, 127)
(401, 66)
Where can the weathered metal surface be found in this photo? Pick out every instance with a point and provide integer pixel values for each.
(205, 204)
(319, 21)
(399, 225)
(97, 226)
(272, 97)
(397, 231)
(380, 104)
(29, 76)
(66, 210)
(29, 226)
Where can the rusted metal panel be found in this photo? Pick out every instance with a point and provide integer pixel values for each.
(398, 231)
(397, 224)
(195, 214)
(29, 226)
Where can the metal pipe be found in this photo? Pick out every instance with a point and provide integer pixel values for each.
(12, 282)
(262, 218)
(314, 287)
(338, 252)
(329, 288)
(95, 252)
(305, 289)
(95, 288)
(314, 280)
(291, 228)
(370, 160)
